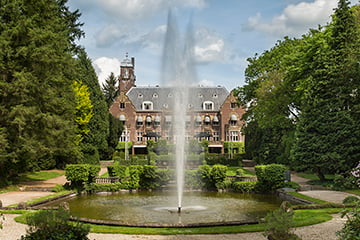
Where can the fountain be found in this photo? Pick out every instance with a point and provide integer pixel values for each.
(178, 72)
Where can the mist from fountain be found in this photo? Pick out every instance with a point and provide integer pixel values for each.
(178, 73)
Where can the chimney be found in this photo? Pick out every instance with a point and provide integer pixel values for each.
(133, 62)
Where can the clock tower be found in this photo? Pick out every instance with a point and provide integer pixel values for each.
(127, 76)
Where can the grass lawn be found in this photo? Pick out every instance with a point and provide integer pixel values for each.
(41, 175)
(301, 218)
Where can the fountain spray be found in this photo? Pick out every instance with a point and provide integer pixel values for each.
(178, 72)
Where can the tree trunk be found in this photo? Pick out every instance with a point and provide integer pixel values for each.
(320, 174)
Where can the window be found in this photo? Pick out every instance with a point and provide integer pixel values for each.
(157, 121)
(155, 95)
(215, 95)
(233, 120)
(123, 137)
(140, 95)
(233, 136)
(216, 136)
(147, 105)
(139, 121)
(233, 105)
(122, 105)
(207, 105)
(139, 137)
(207, 120)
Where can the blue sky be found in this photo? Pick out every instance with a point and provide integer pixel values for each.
(226, 32)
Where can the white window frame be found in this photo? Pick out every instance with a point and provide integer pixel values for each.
(139, 136)
(208, 106)
(147, 105)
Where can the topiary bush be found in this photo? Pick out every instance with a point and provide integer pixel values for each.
(134, 180)
(79, 174)
(270, 177)
(212, 177)
(148, 177)
(243, 187)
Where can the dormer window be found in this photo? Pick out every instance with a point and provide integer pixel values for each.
(122, 105)
(155, 95)
(208, 105)
(140, 95)
(147, 105)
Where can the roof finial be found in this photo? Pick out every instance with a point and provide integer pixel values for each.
(126, 54)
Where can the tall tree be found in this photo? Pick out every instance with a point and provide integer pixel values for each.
(36, 73)
(327, 138)
(94, 144)
(110, 90)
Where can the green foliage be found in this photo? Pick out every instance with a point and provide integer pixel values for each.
(79, 174)
(279, 224)
(54, 225)
(346, 182)
(135, 171)
(37, 41)
(212, 177)
(350, 199)
(117, 170)
(238, 147)
(122, 145)
(99, 123)
(115, 130)
(270, 177)
(351, 229)
(329, 119)
(244, 187)
(148, 177)
(110, 90)
(83, 108)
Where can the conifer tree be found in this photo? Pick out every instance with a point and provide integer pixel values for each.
(109, 89)
(94, 144)
(37, 42)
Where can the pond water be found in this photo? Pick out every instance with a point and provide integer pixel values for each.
(161, 207)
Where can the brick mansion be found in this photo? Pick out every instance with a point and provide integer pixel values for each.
(213, 113)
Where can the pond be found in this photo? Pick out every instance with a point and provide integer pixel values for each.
(160, 207)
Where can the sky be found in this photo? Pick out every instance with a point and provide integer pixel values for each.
(226, 33)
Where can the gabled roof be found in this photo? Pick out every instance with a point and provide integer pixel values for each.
(163, 97)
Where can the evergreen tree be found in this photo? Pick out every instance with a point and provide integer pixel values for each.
(327, 138)
(36, 74)
(94, 144)
(110, 90)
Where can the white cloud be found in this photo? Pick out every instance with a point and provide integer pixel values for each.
(139, 9)
(104, 66)
(209, 47)
(206, 83)
(295, 19)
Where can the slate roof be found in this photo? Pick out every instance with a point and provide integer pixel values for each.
(162, 97)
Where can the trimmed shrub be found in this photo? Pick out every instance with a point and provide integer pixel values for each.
(243, 187)
(270, 177)
(193, 179)
(212, 176)
(134, 180)
(148, 177)
(79, 174)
